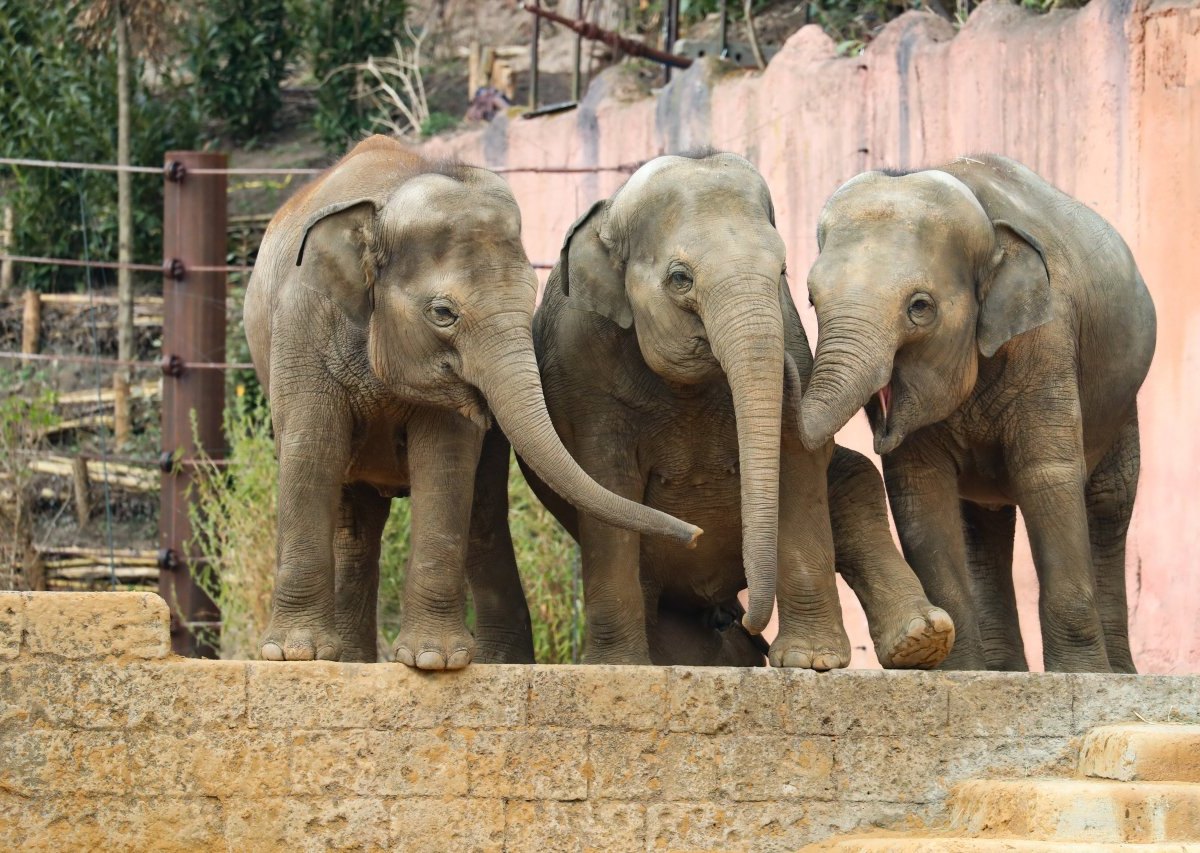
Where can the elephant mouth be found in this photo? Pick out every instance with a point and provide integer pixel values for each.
(881, 409)
(475, 408)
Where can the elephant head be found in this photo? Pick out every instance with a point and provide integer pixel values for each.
(687, 255)
(914, 282)
(434, 272)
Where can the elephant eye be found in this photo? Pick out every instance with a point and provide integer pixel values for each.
(441, 314)
(921, 309)
(680, 281)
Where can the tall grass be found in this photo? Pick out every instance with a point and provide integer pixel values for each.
(234, 520)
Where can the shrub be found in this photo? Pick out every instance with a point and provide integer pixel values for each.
(60, 103)
(26, 412)
(238, 52)
(336, 36)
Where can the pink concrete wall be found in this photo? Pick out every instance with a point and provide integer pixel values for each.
(1104, 102)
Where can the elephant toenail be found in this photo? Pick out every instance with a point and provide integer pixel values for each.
(272, 651)
(431, 660)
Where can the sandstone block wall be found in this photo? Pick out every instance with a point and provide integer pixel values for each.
(107, 741)
(1103, 101)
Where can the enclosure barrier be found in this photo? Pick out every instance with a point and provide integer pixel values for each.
(110, 742)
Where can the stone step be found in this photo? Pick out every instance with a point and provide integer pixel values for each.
(952, 844)
(1157, 752)
(1079, 810)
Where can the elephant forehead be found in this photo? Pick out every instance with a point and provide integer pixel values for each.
(437, 202)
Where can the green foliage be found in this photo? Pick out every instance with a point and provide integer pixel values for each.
(60, 103)
(233, 520)
(238, 52)
(233, 517)
(27, 411)
(337, 35)
(437, 122)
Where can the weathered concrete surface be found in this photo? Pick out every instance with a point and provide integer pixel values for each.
(106, 747)
(1104, 102)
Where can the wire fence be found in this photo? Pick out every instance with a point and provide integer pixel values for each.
(73, 565)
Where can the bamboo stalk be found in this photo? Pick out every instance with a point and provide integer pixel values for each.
(83, 504)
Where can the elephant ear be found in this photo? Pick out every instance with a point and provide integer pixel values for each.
(1015, 297)
(339, 255)
(590, 276)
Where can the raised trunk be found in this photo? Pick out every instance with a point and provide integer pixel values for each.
(745, 330)
(505, 370)
(853, 361)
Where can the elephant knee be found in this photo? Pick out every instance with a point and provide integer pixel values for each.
(1070, 615)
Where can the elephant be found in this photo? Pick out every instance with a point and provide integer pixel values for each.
(997, 332)
(389, 320)
(666, 336)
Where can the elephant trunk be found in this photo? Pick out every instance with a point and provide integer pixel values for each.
(505, 371)
(853, 362)
(745, 330)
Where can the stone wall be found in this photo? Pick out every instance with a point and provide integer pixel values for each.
(107, 741)
(1104, 102)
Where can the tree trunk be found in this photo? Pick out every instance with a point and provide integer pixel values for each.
(124, 228)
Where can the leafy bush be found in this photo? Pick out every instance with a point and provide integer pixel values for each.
(60, 103)
(233, 517)
(238, 52)
(27, 411)
(336, 36)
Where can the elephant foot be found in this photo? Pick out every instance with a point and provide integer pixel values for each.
(493, 652)
(425, 649)
(296, 638)
(923, 643)
(811, 651)
(616, 657)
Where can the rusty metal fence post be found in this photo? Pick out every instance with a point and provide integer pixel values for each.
(194, 214)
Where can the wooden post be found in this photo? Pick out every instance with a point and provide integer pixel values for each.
(121, 424)
(577, 56)
(194, 218)
(31, 325)
(6, 241)
(533, 59)
(473, 75)
(83, 503)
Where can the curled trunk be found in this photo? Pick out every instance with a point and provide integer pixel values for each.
(507, 374)
(853, 361)
(746, 334)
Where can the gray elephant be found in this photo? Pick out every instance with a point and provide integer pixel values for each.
(664, 339)
(997, 332)
(389, 317)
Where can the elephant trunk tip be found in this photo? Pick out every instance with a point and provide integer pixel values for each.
(814, 429)
(697, 532)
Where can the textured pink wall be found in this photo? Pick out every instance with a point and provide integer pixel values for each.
(1104, 102)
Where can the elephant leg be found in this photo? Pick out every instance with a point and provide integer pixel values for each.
(908, 631)
(712, 637)
(312, 435)
(443, 456)
(1048, 481)
(922, 487)
(989, 534)
(361, 519)
(614, 599)
(1110, 495)
(503, 632)
(811, 633)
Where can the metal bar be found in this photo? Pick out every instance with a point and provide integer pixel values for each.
(175, 366)
(194, 220)
(724, 28)
(590, 31)
(577, 54)
(533, 59)
(117, 265)
(670, 32)
(147, 170)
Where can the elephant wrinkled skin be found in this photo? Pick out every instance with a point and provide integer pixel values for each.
(388, 318)
(997, 332)
(672, 359)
